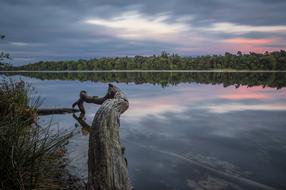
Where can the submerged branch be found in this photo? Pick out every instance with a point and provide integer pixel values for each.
(49, 111)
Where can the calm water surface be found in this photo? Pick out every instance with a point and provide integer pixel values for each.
(174, 134)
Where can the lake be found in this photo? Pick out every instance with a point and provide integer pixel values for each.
(187, 130)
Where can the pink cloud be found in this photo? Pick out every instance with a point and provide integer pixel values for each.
(249, 41)
(255, 92)
(243, 93)
(245, 96)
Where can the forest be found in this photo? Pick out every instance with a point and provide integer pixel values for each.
(252, 61)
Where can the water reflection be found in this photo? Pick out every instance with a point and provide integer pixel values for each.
(169, 132)
(265, 79)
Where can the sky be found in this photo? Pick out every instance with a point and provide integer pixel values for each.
(82, 29)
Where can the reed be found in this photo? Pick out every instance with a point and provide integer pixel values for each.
(31, 156)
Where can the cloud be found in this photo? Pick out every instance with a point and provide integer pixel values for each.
(248, 41)
(19, 44)
(246, 96)
(85, 29)
(134, 25)
(242, 29)
(224, 108)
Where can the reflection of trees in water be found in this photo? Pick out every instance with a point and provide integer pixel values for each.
(265, 79)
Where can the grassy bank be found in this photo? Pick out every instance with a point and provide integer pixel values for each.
(31, 156)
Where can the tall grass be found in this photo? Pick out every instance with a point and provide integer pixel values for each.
(30, 155)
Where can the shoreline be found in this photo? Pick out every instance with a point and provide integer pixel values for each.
(148, 71)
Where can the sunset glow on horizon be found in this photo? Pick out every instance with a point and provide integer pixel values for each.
(249, 41)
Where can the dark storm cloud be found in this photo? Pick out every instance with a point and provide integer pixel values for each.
(39, 29)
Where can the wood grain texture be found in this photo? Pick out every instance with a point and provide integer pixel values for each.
(107, 166)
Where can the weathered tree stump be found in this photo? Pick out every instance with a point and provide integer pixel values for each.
(107, 166)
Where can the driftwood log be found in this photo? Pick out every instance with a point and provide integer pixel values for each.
(107, 166)
(51, 111)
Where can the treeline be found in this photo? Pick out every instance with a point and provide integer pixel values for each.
(252, 61)
(265, 79)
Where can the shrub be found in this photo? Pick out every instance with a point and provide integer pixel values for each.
(31, 156)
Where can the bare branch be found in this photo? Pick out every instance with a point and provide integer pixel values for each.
(107, 166)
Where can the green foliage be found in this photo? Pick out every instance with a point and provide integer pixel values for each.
(252, 61)
(265, 79)
(29, 152)
(4, 57)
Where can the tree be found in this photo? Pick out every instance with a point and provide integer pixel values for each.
(4, 56)
(266, 61)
